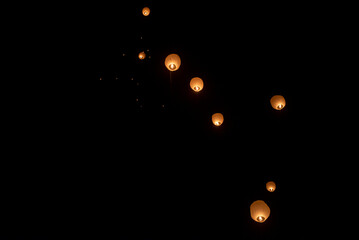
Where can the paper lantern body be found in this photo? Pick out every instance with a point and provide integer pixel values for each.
(142, 55)
(277, 102)
(196, 84)
(271, 186)
(146, 11)
(259, 211)
(173, 62)
(217, 119)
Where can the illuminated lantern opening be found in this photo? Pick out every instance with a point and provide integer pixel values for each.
(142, 55)
(259, 211)
(277, 102)
(196, 84)
(271, 186)
(217, 119)
(146, 11)
(173, 62)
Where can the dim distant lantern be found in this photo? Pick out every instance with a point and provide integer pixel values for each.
(146, 11)
(217, 119)
(196, 84)
(270, 186)
(259, 211)
(142, 55)
(277, 102)
(173, 62)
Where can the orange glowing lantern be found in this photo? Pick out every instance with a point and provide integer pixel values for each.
(259, 211)
(196, 84)
(142, 55)
(277, 102)
(271, 186)
(173, 62)
(217, 119)
(146, 11)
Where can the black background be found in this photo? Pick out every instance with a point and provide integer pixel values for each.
(135, 154)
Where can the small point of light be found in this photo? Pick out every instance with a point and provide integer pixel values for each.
(260, 218)
(172, 66)
(197, 89)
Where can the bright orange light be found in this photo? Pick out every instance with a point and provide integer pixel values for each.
(271, 186)
(146, 11)
(259, 211)
(217, 119)
(173, 62)
(277, 102)
(196, 84)
(142, 55)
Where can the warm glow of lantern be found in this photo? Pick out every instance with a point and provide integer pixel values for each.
(146, 11)
(277, 102)
(173, 62)
(217, 119)
(271, 186)
(196, 84)
(142, 55)
(259, 211)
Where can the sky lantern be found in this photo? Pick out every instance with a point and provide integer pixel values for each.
(142, 55)
(217, 119)
(196, 84)
(259, 211)
(146, 11)
(271, 186)
(173, 62)
(277, 102)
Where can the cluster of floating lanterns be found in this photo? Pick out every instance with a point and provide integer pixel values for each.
(259, 210)
(173, 62)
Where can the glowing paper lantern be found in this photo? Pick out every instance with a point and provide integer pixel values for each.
(146, 11)
(196, 84)
(217, 119)
(277, 102)
(271, 186)
(142, 55)
(173, 62)
(259, 211)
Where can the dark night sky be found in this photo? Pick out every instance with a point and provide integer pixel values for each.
(156, 167)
